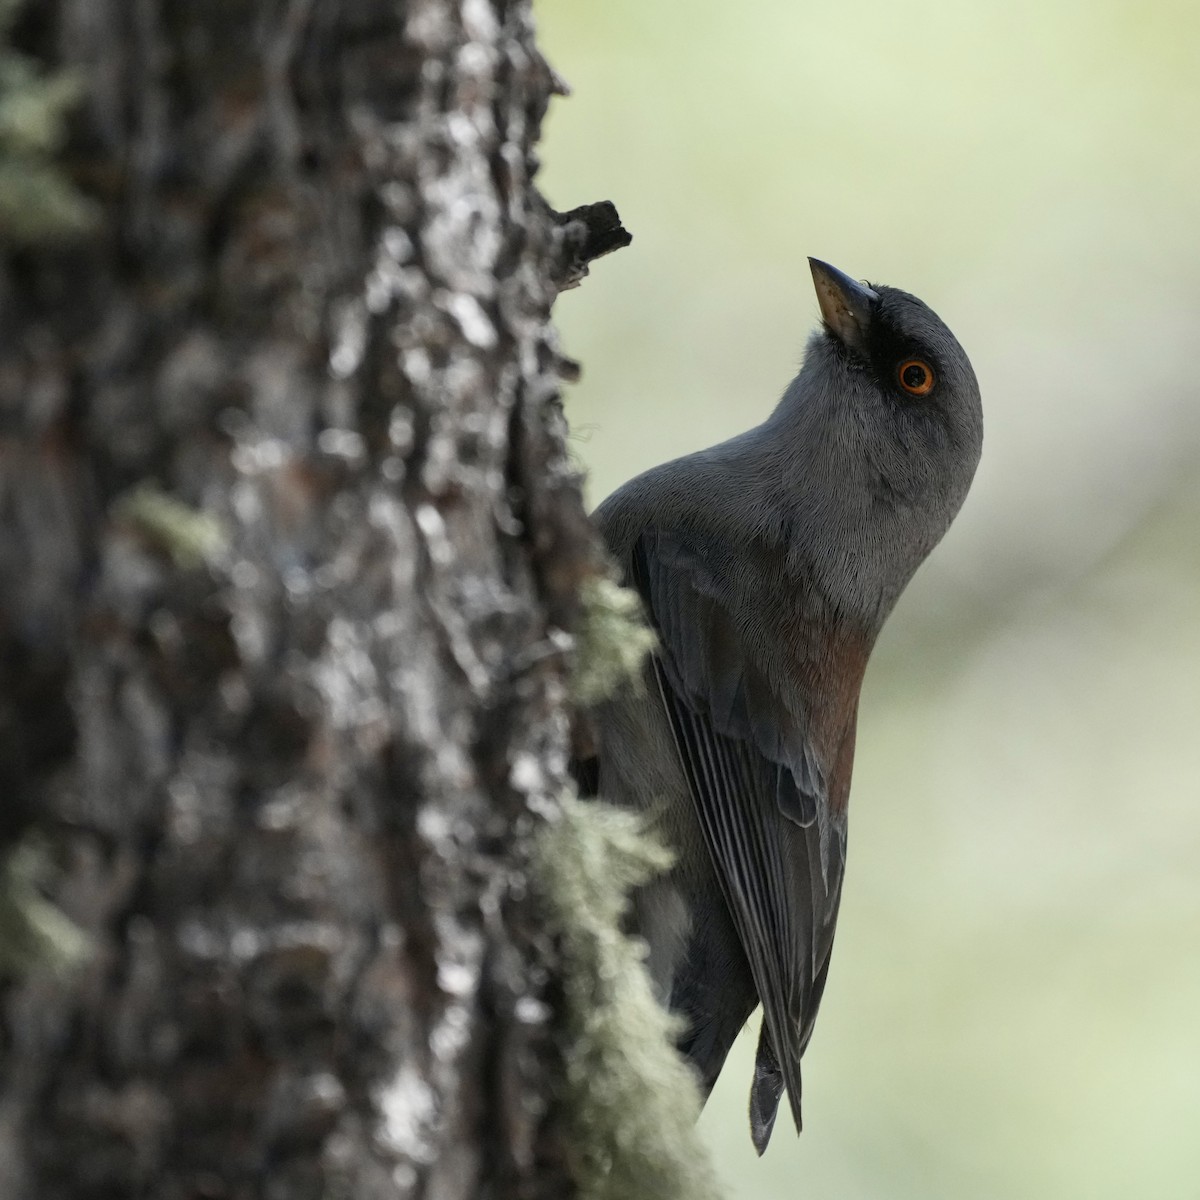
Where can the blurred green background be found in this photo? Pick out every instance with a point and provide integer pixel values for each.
(1014, 1007)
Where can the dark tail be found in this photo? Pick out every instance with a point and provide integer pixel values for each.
(765, 1092)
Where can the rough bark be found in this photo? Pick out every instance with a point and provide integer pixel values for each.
(288, 543)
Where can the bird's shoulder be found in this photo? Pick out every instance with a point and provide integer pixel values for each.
(714, 493)
(720, 521)
(713, 548)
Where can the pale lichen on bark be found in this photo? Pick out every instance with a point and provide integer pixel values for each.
(633, 1102)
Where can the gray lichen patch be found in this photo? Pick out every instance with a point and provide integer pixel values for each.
(33, 932)
(632, 1103)
(190, 537)
(37, 200)
(612, 640)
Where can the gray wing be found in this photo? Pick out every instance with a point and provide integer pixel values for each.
(759, 797)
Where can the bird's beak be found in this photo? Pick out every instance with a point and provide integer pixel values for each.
(846, 304)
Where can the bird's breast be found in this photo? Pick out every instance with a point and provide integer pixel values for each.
(827, 674)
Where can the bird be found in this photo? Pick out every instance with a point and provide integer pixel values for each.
(766, 567)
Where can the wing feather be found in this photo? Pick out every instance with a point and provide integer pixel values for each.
(759, 796)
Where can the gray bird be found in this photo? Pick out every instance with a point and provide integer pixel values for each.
(767, 566)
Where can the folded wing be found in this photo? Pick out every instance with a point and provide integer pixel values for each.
(759, 793)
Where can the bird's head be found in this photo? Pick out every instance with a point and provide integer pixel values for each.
(886, 427)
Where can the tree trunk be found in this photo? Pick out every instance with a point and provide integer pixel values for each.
(288, 543)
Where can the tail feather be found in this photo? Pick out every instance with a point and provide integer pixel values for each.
(765, 1092)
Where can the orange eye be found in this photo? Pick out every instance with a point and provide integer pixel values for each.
(915, 376)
